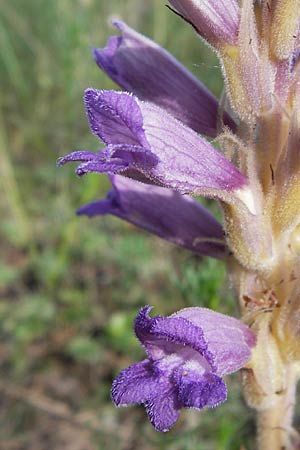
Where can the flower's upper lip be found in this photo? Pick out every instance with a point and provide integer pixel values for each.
(160, 335)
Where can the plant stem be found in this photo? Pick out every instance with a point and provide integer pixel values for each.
(274, 425)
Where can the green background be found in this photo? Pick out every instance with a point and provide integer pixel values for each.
(70, 287)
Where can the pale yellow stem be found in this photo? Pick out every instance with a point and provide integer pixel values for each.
(274, 425)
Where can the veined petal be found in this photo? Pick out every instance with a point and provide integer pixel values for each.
(131, 60)
(161, 336)
(187, 162)
(165, 213)
(215, 20)
(163, 409)
(169, 154)
(229, 340)
(134, 384)
(115, 117)
(199, 390)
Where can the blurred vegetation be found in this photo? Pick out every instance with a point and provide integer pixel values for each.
(70, 287)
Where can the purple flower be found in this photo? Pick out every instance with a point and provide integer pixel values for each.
(145, 142)
(216, 20)
(163, 212)
(187, 355)
(131, 60)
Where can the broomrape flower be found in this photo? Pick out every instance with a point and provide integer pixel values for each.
(188, 353)
(158, 155)
(165, 213)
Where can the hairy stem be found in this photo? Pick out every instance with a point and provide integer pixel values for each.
(274, 425)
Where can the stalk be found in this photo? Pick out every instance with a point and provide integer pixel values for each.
(274, 425)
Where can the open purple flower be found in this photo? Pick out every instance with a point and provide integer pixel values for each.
(188, 353)
(145, 142)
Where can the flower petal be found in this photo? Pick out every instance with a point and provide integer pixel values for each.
(131, 61)
(79, 155)
(199, 390)
(134, 384)
(98, 207)
(165, 213)
(163, 409)
(184, 161)
(116, 165)
(215, 20)
(228, 339)
(165, 335)
(115, 117)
